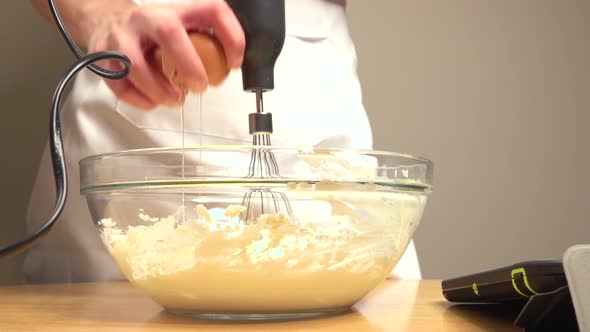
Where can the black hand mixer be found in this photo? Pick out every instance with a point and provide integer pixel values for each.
(263, 22)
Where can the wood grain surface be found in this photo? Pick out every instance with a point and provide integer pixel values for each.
(394, 306)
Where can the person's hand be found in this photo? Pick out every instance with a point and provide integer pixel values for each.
(139, 30)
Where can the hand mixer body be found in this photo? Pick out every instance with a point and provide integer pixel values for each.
(263, 22)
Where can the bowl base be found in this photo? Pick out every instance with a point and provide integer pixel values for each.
(237, 317)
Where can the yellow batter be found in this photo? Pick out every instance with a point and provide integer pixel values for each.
(343, 243)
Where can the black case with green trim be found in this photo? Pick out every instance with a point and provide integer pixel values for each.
(512, 283)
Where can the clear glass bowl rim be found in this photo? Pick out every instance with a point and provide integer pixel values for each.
(250, 147)
(415, 160)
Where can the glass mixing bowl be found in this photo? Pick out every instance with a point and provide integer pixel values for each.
(204, 237)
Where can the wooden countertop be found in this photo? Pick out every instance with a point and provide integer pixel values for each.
(393, 306)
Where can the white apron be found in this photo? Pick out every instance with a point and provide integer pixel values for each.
(316, 101)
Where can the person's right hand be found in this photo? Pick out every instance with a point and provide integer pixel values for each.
(139, 30)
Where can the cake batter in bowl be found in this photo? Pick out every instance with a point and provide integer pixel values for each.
(179, 233)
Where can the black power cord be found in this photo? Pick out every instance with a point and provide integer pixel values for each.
(55, 140)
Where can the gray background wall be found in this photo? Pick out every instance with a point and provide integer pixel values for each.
(496, 93)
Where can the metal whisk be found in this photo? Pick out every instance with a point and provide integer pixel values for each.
(263, 165)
